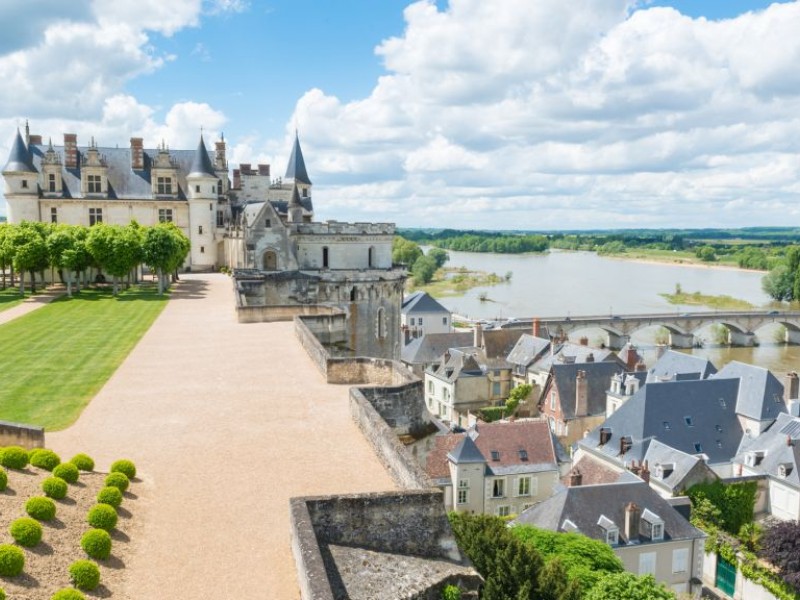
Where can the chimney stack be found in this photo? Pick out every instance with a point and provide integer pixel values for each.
(263, 170)
(220, 162)
(477, 339)
(633, 516)
(645, 473)
(35, 140)
(237, 179)
(575, 478)
(605, 435)
(70, 151)
(537, 327)
(640, 366)
(791, 386)
(584, 341)
(137, 154)
(581, 394)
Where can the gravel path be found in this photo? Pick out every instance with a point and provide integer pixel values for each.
(225, 422)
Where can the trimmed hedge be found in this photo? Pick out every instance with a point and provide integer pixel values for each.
(14, 457)
(110, 495)
(3, 479)
(124, 466)
(26, 531)
(41, 508)
(68, 472)
(67, 594)
(84, 462)
(97, 544)
(44, 459)
(54, 487)
(12, 560)
(84, 574)
(118, 480)
(102, 516)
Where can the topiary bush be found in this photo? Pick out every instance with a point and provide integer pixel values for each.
(54, 487)
(118, 480)
(40, 508)
(44, 459)
(110, 495)
(14, 457)
(67, 594)
(124, 466)
(26, 531)
(12, 560)
(68, 472)
(3, 480)
(102, 516)
(84, 575)
(96, 543)
(84, 462)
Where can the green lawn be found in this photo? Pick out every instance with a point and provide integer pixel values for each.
(9, 297)
(56, 358)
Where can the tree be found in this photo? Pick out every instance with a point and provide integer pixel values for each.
(423, 270)
(779, 282)
(165, 249)
(517, 395)
(61, 252)
(405, 251)
(30, 253)
(439, 256)
(706, 253)
(780, 545)
(7, 250)
(627, 586)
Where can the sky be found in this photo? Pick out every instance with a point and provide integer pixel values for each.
(509, 114)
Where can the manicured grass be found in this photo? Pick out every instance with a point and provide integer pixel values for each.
(9, 297)
(57, 358)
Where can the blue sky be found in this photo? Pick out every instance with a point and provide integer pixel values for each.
(516, 113)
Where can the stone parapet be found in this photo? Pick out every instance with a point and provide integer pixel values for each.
(339, 228)
(20, 434)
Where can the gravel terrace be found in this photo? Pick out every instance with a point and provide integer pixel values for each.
(225, 422)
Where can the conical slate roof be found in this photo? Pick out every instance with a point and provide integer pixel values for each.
(466, 452)
(295, 201)
(201, 165)
(297, 166)
(20, 159)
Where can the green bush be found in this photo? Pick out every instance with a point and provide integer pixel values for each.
(54, 487)
(118, 480)
(3, 479)
(110, 495)
(97, 544)
(12, 560)
(102, 516)
(44, 459)
(124, 466)
(14, 457)
(41, 508)
(67, 594)
(84, 575)
(2, 594)
(84, 462)
(26, 531)
(68, 472)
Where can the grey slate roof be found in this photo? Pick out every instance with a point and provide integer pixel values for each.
(201, 164)
(693, 416)
(466, 452)
(598, 377)
(421, 302)
(774, 443)
(527, 349)
(19, 159)
(760, 392)
(577, 353)
(461, 362)
(677, 365)
(584, 505)
(296, 169)
(681, 462)
(431, 346)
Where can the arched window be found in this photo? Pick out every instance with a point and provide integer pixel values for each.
(381, 324)
(353, 294)
(324, 257)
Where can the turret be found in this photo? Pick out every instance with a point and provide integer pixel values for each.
(21, 183)
(296, 173)
(202, 190)
(295, 210)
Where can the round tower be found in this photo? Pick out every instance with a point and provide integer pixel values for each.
(202, 195)
(21, 184)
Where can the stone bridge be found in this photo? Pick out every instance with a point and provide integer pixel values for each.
(741, 325)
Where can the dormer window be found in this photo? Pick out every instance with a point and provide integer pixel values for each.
(569, 526)
(94, 184)
(689, 421)
(51, 182)
(652, 525)
(784, 470)
(753, 458)
(610, 530)
(523, 455)
(24, 184)
(164, 186)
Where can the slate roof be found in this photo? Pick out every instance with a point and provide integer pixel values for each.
(458, 362)
(760, 392)
(296, 169)
(680, 366)
(497, 343)
(421, 302)
(592, 472)
(774, 443)
(19, 159)
(201, 164)
(584, 505)
(431, 346)
(568, 352)
(466, 452)
(527, 349)
(693, 416)
(682, 464)
(598, 378)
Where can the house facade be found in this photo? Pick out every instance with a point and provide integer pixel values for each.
(421, 314)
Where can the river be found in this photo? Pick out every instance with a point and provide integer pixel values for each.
(563, 283)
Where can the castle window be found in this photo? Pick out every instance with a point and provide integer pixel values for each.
(95, 216)
(463, 496)
(305, 192)
(164, 185)
(498, 488)
(200, 230)
(202, 249)
(211, 206)
(381, 325)
(220, 218)
(165, 215)
(24, 184)
(94, 184)
(324, 257)
(219, 188)
(503, 511)
(53, 214)
(267, 224)
(353, 295)
(371, 256)
(197, 189)
(51, 183)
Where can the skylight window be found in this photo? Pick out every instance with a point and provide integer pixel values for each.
(698, 447)
(689, 421)
(667, 425)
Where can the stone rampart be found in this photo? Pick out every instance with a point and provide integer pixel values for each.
(19, 434)
(287, 312)
(340, 228)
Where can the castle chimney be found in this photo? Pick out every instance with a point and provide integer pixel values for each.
(220, 162)
(581, 394)
(791, 386)
(477, 339)
(645, 473)
(70, 151)
(35, 140)
(575, 478)
(633, 516)
(237, 179)
(137, 154)
(537, 327)
(625, 444)
(584, 341)
(640, 366)
(605, 435)
(263, 170)
(590, 357)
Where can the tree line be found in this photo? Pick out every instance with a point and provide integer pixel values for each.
(422, 266)
(74, 250)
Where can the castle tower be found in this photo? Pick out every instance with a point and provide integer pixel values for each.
(202, 182)
(295, 208)
(296, 173)
(21, 183)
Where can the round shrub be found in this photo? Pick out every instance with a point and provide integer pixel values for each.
(97, 544)
(110, 495)
(124, 466)
(54, 487)
(12, 560)
(44, 459)
(84, 462)
(14, 457)
(2, 594)
(68, 472)
(41, 508)
(118, 480)
(3, 479)
(67, 594)
(84, 575)
(102, 516)
(26, 531)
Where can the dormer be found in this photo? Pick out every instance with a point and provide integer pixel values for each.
(785, 469)
(610, 530)
(652, 525)
(569, 526)
(753, 458)
(94, 173)
(663, 470)
(164, 174)
(616, 383)
(52, 185)
(631, 385)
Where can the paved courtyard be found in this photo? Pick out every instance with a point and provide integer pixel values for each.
(226, 422)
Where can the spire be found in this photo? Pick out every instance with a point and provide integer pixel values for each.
(201, 165)
(295, 201)
(20, 159)
(297, 166)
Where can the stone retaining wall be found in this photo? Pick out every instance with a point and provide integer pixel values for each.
(285, 312)
(19, 434)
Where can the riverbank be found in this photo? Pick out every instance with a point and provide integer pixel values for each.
(455, 281)
(679, 262)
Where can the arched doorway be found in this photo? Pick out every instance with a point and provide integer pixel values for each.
(269, 261)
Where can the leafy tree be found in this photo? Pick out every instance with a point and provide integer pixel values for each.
(706, 253)
(553, 581)
(116, 249)
(30, 253)
(779, 282)
(439, 256)
(405, 251)
(423, 270)
(7, 250)
(627, 586)
(780, 545)
(735, 502)
(61, 250)
(517, 395)
(165, 248)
